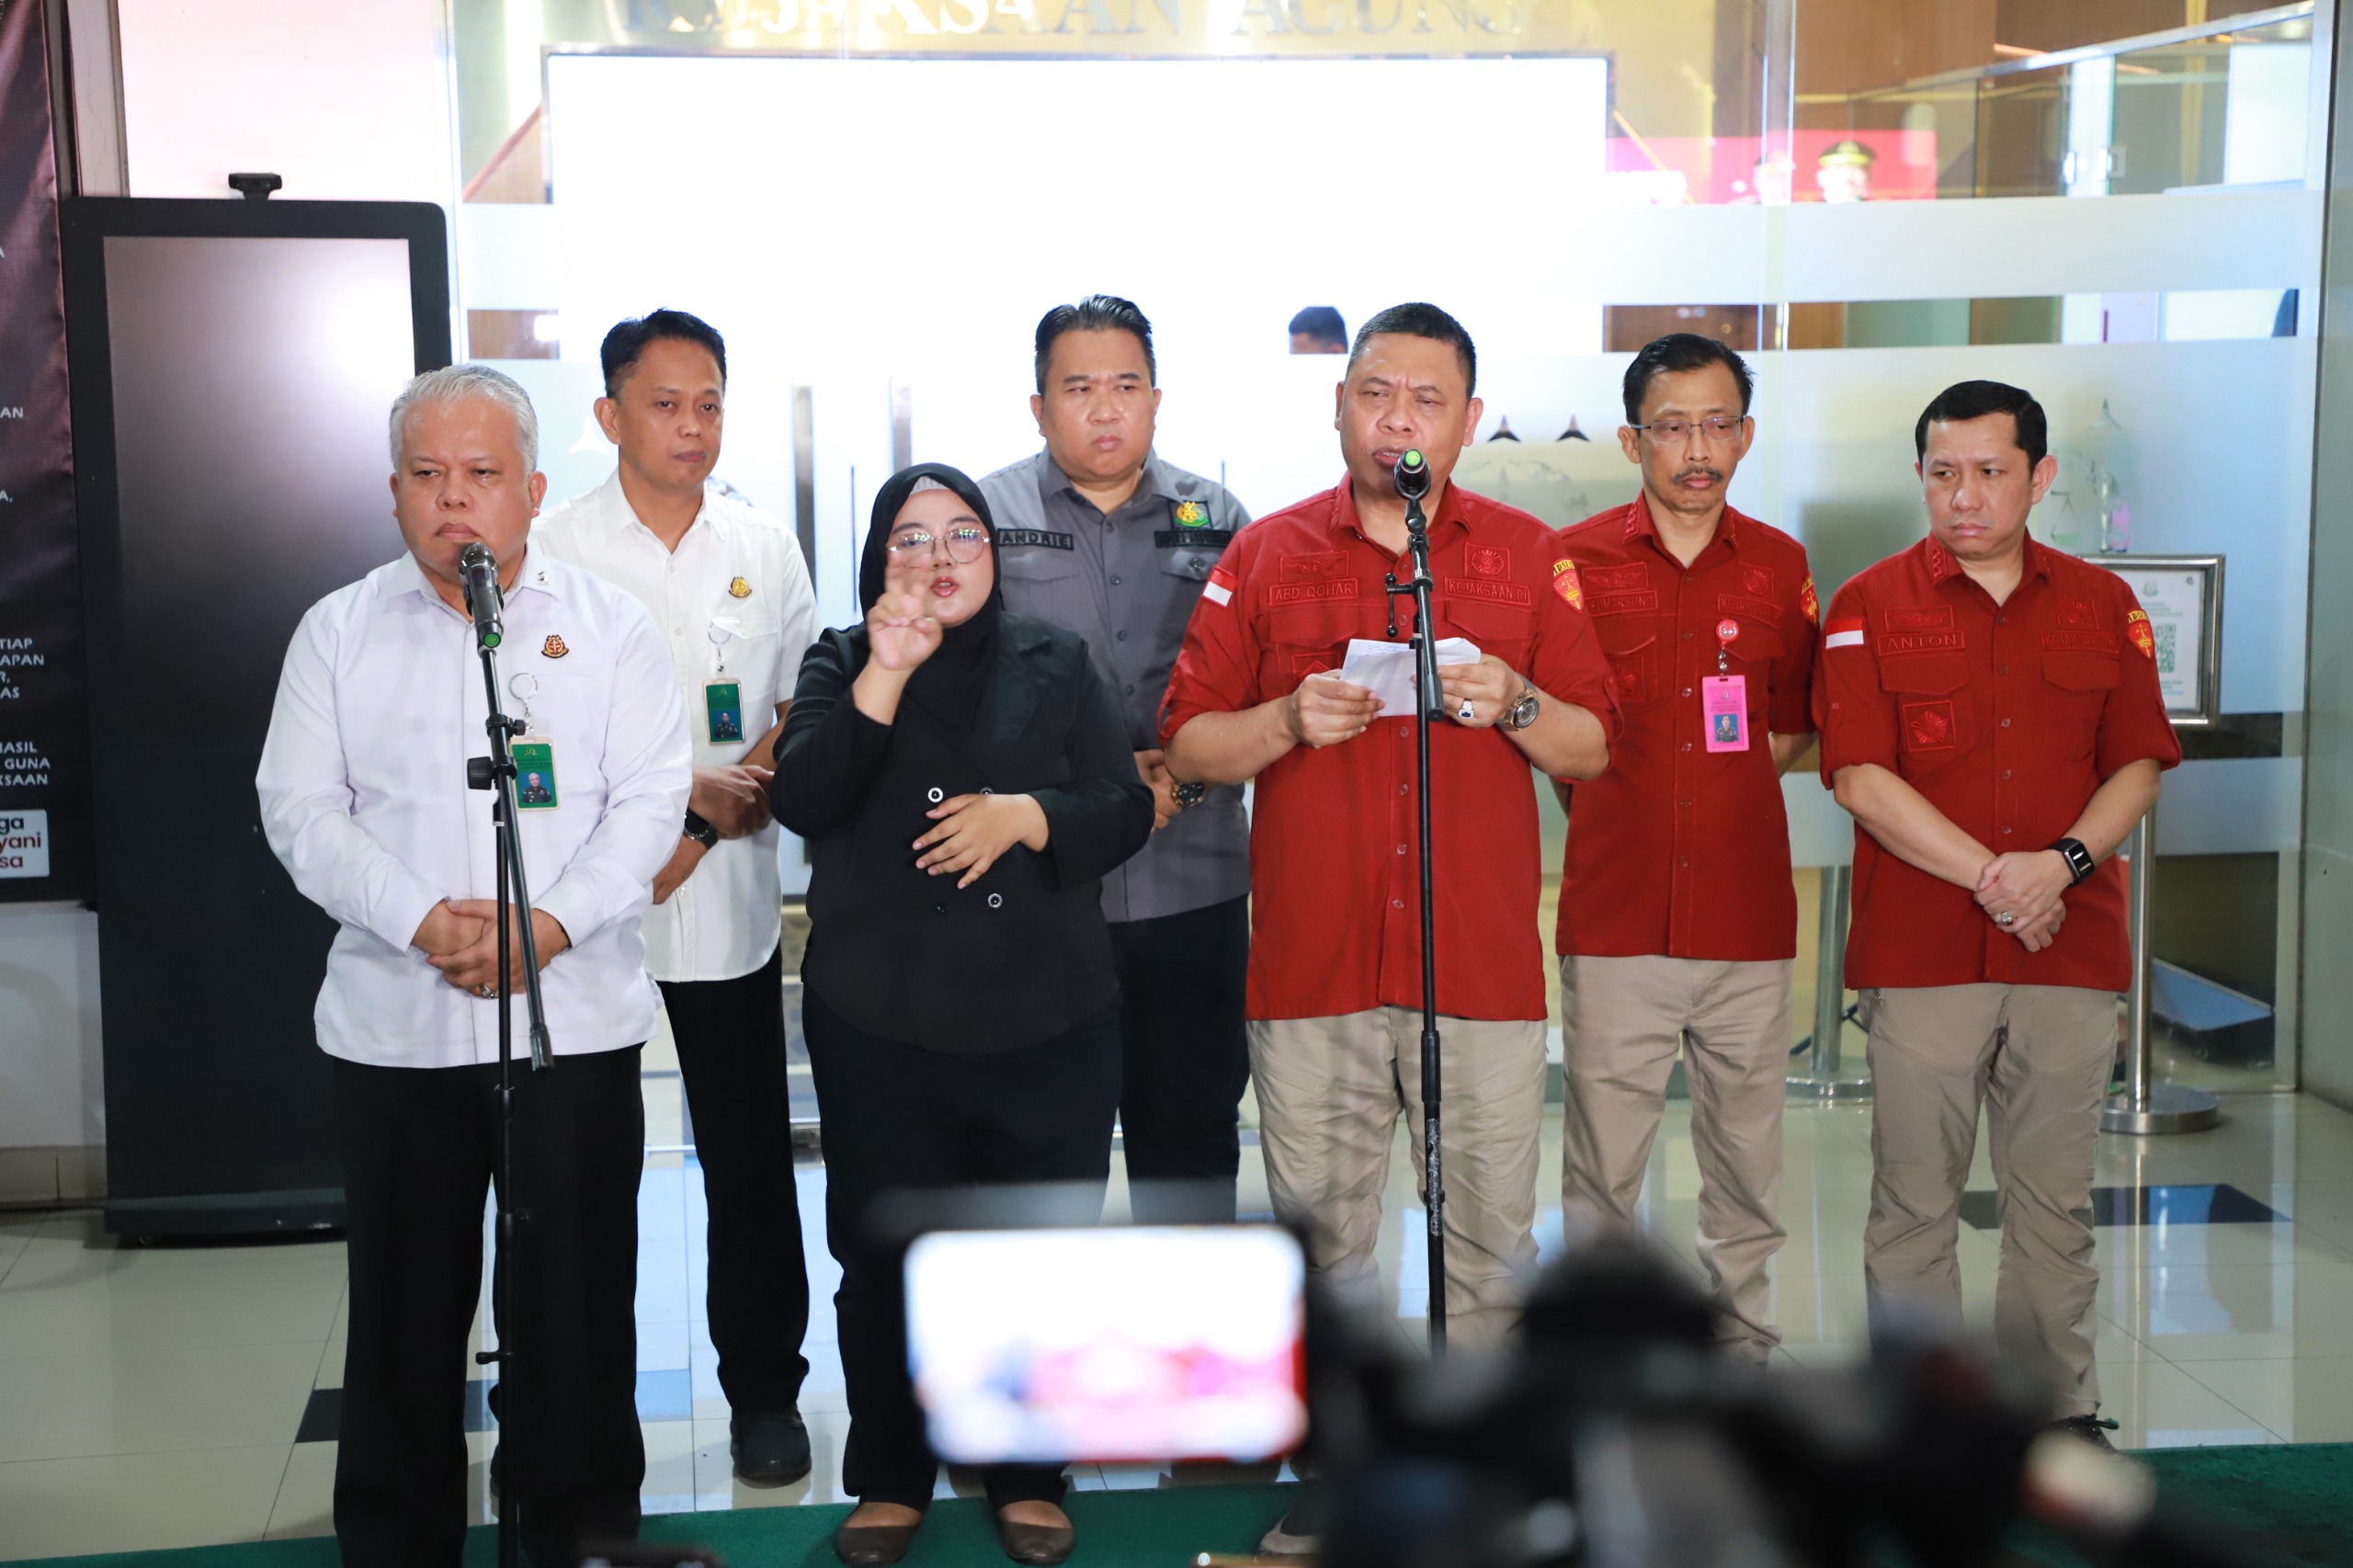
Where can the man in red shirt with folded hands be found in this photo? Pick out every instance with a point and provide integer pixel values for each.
(1678, 920)
(1990, 714)
(1334, 990)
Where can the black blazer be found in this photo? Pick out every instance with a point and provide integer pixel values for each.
(1020, 956)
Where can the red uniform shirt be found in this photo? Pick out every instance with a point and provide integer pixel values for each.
(1679, 850)
(2006, 718)
(1335, 874)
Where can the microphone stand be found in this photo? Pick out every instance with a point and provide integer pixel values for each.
(496, 773)
(1426, 707)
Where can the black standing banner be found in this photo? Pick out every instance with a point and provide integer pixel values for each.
(44, 730)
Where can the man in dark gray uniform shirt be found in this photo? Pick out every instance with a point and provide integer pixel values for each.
(1099, 536)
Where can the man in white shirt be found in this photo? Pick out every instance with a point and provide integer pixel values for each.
(364, 799)
(730, 596)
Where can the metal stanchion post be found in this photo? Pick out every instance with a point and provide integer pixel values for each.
(2147, 1105)
(1824, 1081)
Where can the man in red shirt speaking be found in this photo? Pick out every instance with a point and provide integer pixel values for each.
(1677, 919)
(1334, 992)
(1990, 714)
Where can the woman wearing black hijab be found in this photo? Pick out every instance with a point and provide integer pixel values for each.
(964, 781)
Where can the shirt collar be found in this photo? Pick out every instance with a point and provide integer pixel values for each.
(538, 575)
(1450, 515)
(613, 507)
(1941, 564)
(1639, 524)
(1153, 484)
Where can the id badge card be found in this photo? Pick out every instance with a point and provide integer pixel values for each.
(722, 707)
(1724, 702)
(534, 773)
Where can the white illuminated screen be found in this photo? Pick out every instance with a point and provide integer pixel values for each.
(851, 223)
(1142, 1343)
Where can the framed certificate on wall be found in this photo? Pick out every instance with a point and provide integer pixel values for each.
(2182, 597)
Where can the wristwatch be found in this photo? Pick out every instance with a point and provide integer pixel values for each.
(701, 832)
(1521, 713)
(2080, 863)
(1189, 793)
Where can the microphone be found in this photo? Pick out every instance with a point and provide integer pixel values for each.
(480, 569)
(1412, 475)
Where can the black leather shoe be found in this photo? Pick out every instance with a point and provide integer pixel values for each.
(1041, 1546)
(874, 1546)
(772, 1449)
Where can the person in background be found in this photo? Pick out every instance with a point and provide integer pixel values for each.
(1100, 536)
(1678, 923)
(1991, 717)
(964, 782)
(730, 593)
(1318, 329)
(362, 787)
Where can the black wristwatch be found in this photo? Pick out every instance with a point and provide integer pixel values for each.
(1191, 793)
(701, 832)
(2080, 863)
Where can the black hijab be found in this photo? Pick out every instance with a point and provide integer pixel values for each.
(950, 684)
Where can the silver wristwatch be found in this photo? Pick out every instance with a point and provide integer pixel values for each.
(1522, 714)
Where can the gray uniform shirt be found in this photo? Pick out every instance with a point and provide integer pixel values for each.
(1127, 582)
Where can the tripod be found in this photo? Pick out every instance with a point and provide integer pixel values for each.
(1412, 481)
(495, 773)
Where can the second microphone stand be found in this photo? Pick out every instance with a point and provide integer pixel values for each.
(495, 773)
(1412, 481)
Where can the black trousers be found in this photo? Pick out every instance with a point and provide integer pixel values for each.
(1185, 1057)
(730, 1035)
(419, 1151)
(899, 1116)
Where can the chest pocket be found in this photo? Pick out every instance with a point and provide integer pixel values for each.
(1933, 721)
(1190, 561)
(746, 647)
(1303, 639)
(1758, 644)
(1630, 643)
(2075, 687)
(1500, 631)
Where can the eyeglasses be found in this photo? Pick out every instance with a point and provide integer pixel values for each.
(1715, 427)
(965, 545)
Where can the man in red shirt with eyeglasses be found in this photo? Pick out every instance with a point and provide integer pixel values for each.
(1335, 987)
(1678, 923)
(1991, 717)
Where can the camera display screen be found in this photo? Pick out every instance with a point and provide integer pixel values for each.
(1126, 1343)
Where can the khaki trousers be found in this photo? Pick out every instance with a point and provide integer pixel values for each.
(1625, 1018)
(1329, 1091)
(2038, 1057)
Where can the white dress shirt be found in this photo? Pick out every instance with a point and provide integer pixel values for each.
(733, 602)
(364, 798)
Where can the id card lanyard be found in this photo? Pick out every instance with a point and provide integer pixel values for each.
(1723, 697)
(535, 785)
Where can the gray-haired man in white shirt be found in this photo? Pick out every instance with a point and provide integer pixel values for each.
(730, 595)
(364, 798)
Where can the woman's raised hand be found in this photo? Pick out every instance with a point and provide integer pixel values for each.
(899, 634)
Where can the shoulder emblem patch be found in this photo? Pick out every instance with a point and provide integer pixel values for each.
(1565, 583)
(1808, 603)
(2136, 628)
(553, 647)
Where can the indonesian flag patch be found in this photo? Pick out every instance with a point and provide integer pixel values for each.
(1219, 589)
(2136, 627)
(1565, 583)
(1843, 634)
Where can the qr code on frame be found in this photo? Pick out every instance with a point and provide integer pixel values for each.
(2166, 642)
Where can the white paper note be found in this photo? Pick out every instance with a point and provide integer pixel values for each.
(1387, 668)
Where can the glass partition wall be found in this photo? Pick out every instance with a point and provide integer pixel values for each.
(2115, 203)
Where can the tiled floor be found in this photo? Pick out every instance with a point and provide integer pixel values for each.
(154, 1397)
